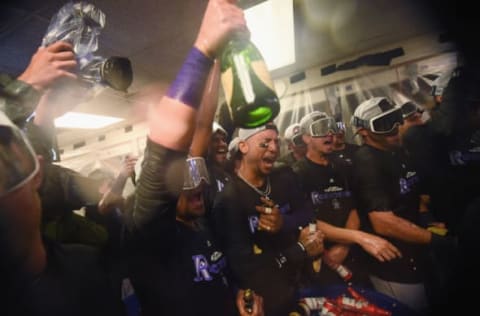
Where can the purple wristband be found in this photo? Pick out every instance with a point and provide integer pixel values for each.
(190, 81)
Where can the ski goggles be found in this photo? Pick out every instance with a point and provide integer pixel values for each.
(323, 127)
(409, 108)
(382, 123)
(18, 161)
(194, 173)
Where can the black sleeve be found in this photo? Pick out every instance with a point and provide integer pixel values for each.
(248, 268)
(157, 192)
(371, 185)
(17, 99)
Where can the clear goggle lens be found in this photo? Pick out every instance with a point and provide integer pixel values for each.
(194, 173)
(323, 127)
(409, 109)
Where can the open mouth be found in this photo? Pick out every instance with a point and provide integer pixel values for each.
(269, 161)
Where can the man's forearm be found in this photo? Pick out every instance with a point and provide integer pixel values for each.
(336, 234)
(390, 225)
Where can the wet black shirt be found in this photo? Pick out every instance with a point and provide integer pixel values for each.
(327, 188)
(268, 263)
(175, 269)
(385, 181)
(187, 280)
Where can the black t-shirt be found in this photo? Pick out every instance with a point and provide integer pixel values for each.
(175, 269)
(385, 181)
(327, 188)
(73, 283)
(267, 263)
(188, 280)
(218, 179)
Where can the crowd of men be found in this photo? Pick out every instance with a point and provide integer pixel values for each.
(210, 219)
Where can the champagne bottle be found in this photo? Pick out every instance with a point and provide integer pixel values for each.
(247, 85)
(342, 270)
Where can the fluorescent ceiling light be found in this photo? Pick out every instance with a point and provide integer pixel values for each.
(272, 31)
(83, 120)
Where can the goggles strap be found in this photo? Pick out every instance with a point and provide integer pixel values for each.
(360, 123)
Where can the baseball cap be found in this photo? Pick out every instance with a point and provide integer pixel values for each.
(246, 133)
(378, 115)
(18, 161)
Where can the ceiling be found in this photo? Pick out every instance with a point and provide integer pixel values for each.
(156, 35)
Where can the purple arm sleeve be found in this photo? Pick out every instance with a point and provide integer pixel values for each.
(190, 81)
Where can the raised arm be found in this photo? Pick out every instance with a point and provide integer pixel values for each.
(48, 66)
(172, 121)
(206, 113)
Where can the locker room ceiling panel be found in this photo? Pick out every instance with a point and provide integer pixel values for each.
(157, 34)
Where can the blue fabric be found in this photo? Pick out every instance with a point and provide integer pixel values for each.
(190, 81)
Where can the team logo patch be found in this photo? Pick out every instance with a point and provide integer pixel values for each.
(407, 183)
(205, 270)
(459, 158)
(331, 193)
